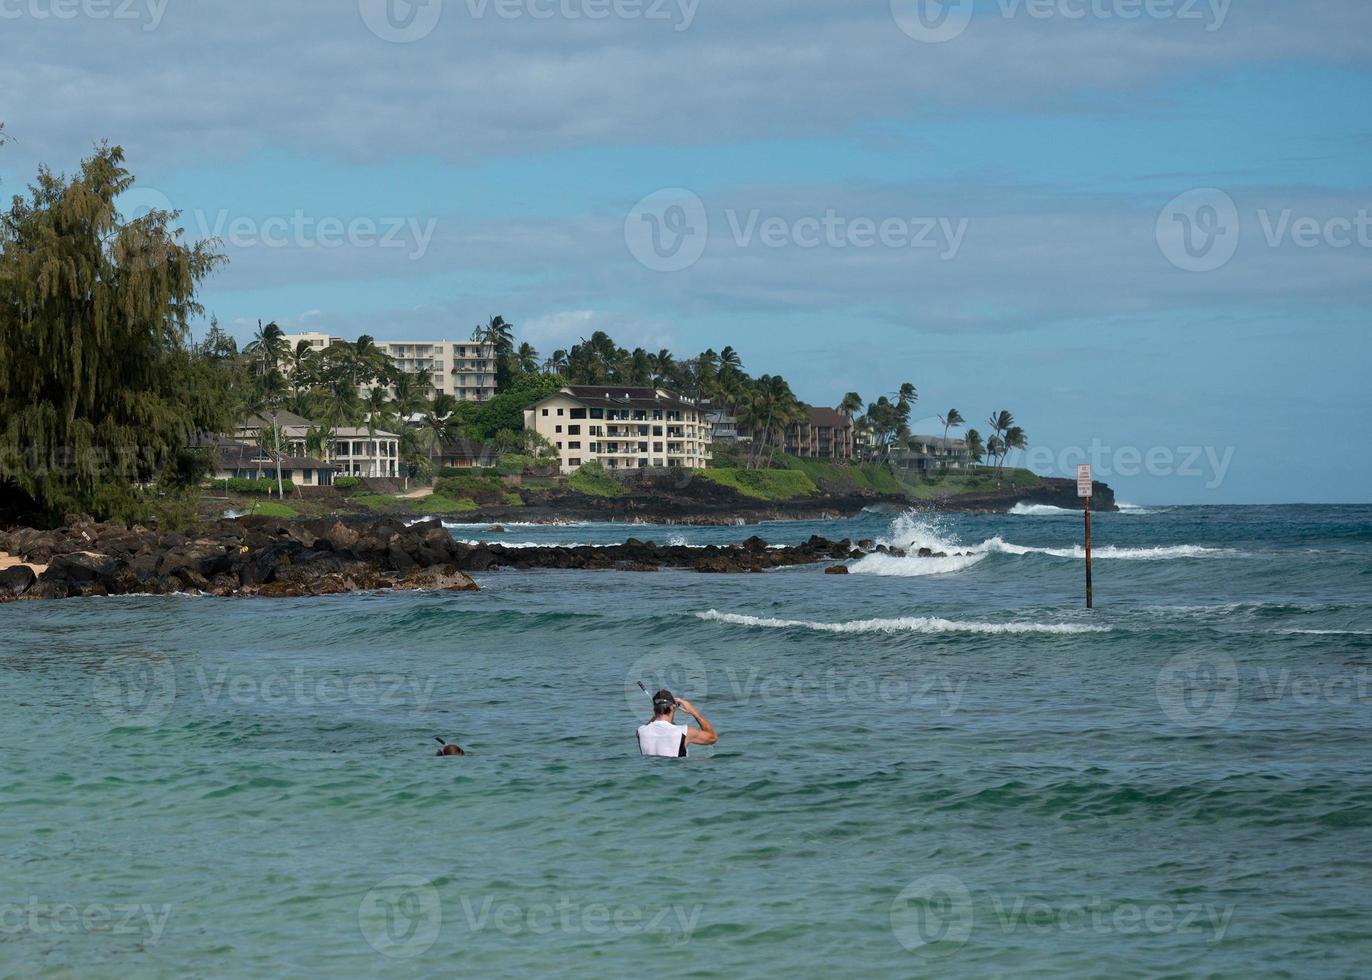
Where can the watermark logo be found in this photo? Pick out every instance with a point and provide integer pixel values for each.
(401, 917)
(1198, 689)
(682, 673)
(937, 21)
(1199, 231)
(569, 916)
(934, 909)
(401, 21)
(135, 691)
(679, 13)
(667, 230)
(932, 21)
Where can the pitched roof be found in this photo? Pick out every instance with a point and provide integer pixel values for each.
(828, 418)
(622, 396)
(243, 455)
(283, 419)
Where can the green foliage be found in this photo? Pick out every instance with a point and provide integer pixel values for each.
(468, 471)
(481, 488)
(375, 501)
(439, 504)
(764, 484)
(506, 410)
(347, 482)
(592, 480)
(265, 486)
(837, 478)
(514, 464)
(974, 481)
(98, 386)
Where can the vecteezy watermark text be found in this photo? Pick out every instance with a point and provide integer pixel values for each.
(149, 13)
(669, 230)
(937, 914)
(299, 229)
(140, 690)
(936, 21)
(1200, 230)
(39, 918)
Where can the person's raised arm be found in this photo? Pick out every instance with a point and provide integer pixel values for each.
(705, 735)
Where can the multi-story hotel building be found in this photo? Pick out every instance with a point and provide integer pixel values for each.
(464, 369)
(825, 434)
(621, 427)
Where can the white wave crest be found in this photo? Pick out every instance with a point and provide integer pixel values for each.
(902, 624)
(912, 530)
(1022, 509)
(878, 564)
(1158, 553)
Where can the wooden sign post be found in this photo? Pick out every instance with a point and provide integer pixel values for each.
(1084, 492)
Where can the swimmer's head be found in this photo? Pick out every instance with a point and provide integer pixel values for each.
(450, 750)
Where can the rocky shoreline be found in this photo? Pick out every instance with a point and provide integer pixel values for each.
(260, 556)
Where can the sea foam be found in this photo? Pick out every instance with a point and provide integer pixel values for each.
(902, 624)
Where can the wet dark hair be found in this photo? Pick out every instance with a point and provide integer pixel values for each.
(450, 750)
(663, 702)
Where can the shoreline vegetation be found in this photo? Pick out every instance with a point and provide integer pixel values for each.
(814, 489)
(111, 411)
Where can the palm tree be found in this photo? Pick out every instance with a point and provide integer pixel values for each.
(663, 365)
(410, 394)
(851, 404)
(268, 349)
(999, 423)
(379, 409)
(557, 364)
(728, 357)
(440, 423)
(526, 359)
(1014, 439)
(952, 420)
(975, 448)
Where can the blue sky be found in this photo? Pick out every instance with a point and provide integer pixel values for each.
(491, 157)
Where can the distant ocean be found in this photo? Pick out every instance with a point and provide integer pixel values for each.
(940, 767)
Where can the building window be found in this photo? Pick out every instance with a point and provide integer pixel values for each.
(578, 413)
(558, 428)
(573, 445)
(574, 461)
(559, 445)
(643, 464)
(573, 430)
(545, 413)
(597, 413)
(559, 412)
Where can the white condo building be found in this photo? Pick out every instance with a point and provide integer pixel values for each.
(621, 427)
(464, 369)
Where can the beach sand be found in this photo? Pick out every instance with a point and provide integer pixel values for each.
(9, 561)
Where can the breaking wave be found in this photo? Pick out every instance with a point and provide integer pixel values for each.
(912, 530)
(903, 624)
(1041, 510)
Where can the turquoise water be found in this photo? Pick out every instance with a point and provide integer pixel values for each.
(930, 767)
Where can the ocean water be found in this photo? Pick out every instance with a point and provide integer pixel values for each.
(928, 767)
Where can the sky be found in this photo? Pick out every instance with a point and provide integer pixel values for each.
(1142, 226)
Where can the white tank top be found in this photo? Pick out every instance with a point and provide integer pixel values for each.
(662, 738)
